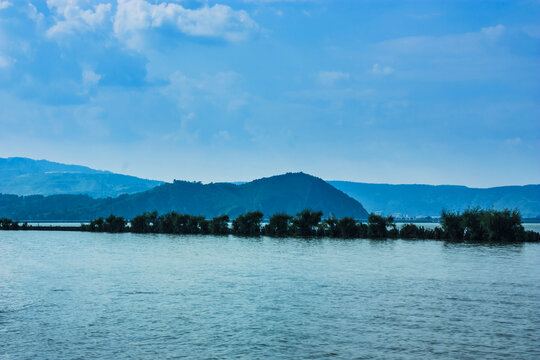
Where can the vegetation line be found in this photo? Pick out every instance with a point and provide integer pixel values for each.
(471, 225)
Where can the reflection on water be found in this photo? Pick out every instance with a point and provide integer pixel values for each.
(72, 295)
(62, 224)
(527, 226)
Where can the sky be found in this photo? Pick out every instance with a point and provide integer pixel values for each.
(431, 92)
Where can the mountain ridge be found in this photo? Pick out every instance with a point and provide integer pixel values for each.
(22, 165)
(289, 193)
(429, 200)
(24, 176)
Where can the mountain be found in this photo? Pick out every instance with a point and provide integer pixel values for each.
(430, 200)
(16, 166)
(23, 176)
(290, 193)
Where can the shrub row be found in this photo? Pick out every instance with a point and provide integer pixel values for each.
(471, 225)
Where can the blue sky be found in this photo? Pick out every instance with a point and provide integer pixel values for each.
(437, 92)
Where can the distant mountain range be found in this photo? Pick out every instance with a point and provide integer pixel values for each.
(289, 193)
(429, 200)
(23, 176)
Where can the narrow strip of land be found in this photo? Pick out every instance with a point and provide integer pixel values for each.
(471, 225)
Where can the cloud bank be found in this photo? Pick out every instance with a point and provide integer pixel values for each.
(72, 18)
(218, 21)
(131, 18)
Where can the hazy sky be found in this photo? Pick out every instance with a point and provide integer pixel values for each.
(438, 92)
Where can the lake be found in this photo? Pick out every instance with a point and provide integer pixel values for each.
(67, 295)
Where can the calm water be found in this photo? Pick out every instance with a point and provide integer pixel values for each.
(80, 295)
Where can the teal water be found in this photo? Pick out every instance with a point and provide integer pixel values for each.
(70, 295)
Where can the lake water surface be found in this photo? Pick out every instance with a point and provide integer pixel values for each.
(68, 295)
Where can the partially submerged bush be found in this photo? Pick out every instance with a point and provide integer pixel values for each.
(486, 225)
(471, 225)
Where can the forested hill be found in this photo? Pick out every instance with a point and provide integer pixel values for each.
(23, 176)
(288, 193)
(429, 200)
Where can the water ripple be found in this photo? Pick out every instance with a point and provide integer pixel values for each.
(78, 295)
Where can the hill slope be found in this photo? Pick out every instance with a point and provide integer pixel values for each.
(289, 193)
(23, 176)
(429, 200)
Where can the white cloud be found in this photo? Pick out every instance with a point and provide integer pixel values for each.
(493, 32)
(5, 61)
(532, 31)
(90, 78)
(223, 90)
(472, 42)
(222, 135)
(218, 21)
(4, 4)
(381, 70)
(513, 141)
(331, 77)
(278, 1)
(34, 14)
(72, 18)
(333, 94)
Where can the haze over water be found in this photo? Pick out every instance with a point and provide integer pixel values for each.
(84, 295)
